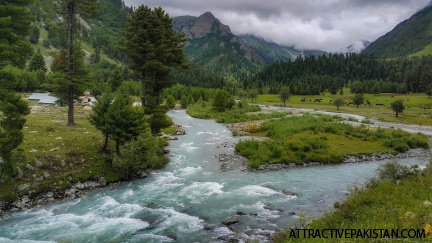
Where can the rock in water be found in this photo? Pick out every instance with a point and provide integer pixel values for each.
(231, 221)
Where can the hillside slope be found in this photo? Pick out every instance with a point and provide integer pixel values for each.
(408, 37)
(211, 45)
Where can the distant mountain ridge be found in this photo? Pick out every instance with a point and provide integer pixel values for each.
(408, 37)
(212, 45)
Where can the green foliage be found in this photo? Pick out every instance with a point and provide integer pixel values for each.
(429, 90)
(409, 37)
(362, 73)
(252, 94)
(394, 171)
(117, 119)
(319, 139)
(197, 77)
(184, 101)
(397, 107)
(140, 154)
(220, 100)
(116, 79)
(170, 101)
(154, 47)
(382, 204)
(34, 37)
(358, 100)
(15, 25)
(12, 112)
(218, 51)
(99, 118)
(238, 113)
(68, 87)
(159, 120)
(285, 94)
(17, 79)
(37, 62)
(338, 102)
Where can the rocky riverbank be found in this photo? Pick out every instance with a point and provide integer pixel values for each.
(238, 162)
(31, 199)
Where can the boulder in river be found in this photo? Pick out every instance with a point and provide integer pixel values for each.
(231, 221)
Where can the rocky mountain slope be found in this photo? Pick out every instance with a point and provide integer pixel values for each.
(212, 45)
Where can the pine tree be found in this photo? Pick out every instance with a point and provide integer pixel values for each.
(117, 119)
(125, 122)
(34, 37)
(37, 62)
(99, 116)
(70, 88)
(154, 47)
(116, 79)
(15, 26)
(12, 108)
(85, 8)
(170, 102)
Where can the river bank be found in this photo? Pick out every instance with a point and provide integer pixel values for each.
(238, 162)
(192, 200)
(29, 197)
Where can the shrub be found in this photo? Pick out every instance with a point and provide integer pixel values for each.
(393, 171)
(143, 153)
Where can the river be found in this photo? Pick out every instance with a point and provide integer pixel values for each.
(188, 199)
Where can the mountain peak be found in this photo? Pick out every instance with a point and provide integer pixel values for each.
(208, 15)
(200, 27)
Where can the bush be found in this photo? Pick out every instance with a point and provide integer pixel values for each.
(170, 101)
(394, 171)
(137, 155)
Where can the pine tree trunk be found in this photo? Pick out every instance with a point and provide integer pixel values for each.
(71, 121)
(143, 89)
(105, 144)
(118, 147)
(70, 45)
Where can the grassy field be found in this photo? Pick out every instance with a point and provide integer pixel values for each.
(426, 51)
(204, 110)
(54, 156)
(323, 139)
(418, 107)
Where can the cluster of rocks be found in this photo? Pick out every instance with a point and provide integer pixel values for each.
(29, 201)
(274, 167)
(179, 130)
(232, 162)
(228, 163)
(382, 156)
(249, 234)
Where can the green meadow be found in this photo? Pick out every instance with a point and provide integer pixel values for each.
(53, 156)
(418, 107)
(324, 139)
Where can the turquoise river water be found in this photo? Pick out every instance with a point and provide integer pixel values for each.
(188, 199)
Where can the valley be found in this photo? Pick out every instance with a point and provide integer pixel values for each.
(213, 127)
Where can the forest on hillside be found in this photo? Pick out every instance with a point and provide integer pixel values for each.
(362, 73)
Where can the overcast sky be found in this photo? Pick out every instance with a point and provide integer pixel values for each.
(328, 25)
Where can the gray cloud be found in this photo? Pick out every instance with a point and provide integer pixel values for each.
(308, 24)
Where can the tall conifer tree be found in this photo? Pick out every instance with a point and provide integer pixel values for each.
(86, 8)
(154, 47)
(14, 28)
